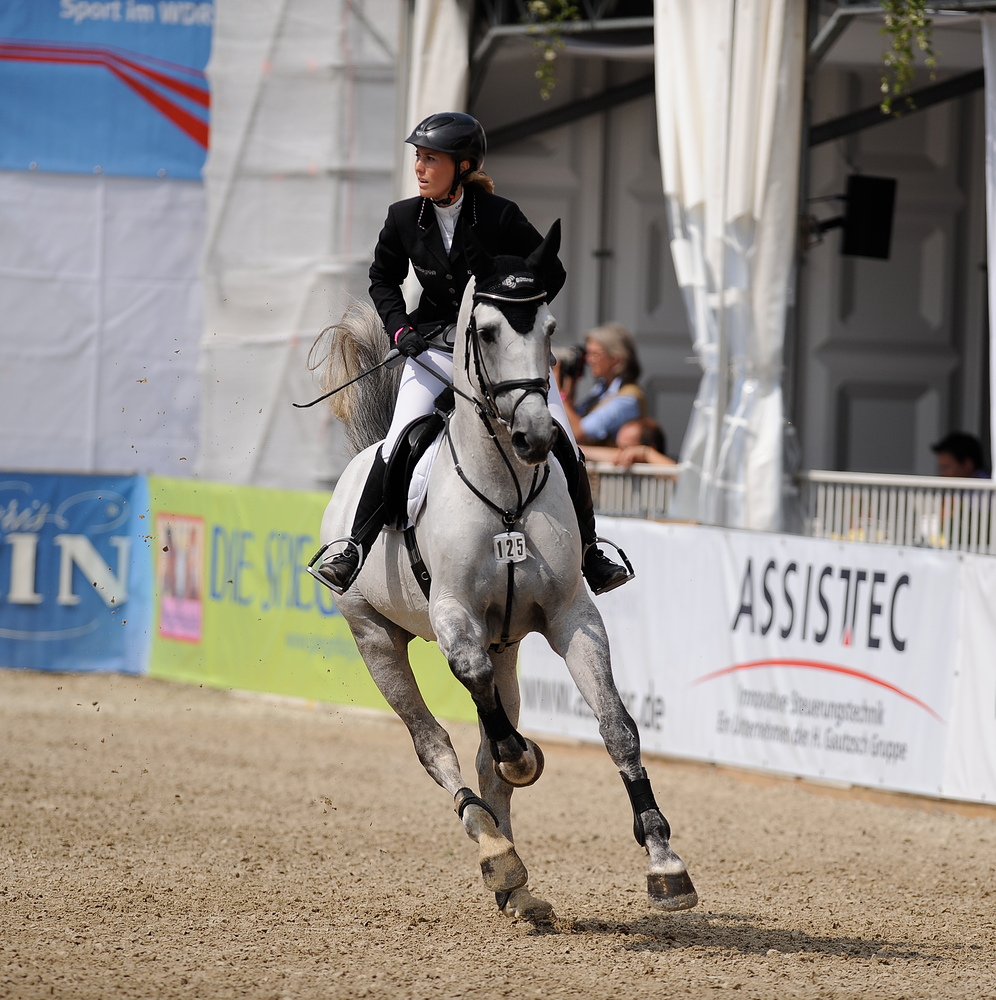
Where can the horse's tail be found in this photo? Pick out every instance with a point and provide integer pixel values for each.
(341, 352)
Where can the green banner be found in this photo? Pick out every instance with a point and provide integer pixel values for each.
(235, 607)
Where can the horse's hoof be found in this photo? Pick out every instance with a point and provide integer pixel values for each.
(672, 892)
(501, 868)
(521, 904)
(523, 771)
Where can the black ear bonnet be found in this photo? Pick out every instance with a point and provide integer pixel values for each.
(515, 290)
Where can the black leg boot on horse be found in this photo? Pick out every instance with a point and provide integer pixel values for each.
(340, 570)
(599, 570)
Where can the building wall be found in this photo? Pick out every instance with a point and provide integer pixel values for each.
(891, 354)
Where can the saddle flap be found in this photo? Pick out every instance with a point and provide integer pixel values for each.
(412, 445)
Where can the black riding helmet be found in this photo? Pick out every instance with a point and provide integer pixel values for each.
(459, 135)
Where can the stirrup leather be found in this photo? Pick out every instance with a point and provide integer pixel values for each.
(314, 565)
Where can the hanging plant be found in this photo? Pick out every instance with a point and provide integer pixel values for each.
(547, 16)
(909, 29)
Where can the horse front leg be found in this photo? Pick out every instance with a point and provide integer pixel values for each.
(489, 824)
(384, 648)
(517, 760)
(581, 639)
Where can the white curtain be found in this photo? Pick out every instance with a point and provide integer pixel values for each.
(439, 64)
(438, 73)
(729, 103)
(989, 62)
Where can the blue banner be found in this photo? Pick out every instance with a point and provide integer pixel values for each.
(75, 572)
(105, 86)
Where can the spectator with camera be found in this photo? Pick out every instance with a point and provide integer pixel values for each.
(615, 397)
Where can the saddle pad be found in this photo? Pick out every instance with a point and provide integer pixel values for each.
(419, 484)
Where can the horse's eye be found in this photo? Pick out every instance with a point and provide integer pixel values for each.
(487, 333)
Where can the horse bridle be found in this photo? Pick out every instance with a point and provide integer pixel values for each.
(489, 389)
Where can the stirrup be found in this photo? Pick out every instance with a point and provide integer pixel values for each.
(627, 565)
(317, 558)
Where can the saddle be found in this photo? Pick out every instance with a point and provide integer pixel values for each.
(415, 441)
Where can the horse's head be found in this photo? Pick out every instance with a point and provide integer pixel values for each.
(506, 350)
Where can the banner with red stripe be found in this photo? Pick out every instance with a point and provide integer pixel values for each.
(105, 87)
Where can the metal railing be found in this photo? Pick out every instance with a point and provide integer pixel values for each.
(925, 511)
(638, 491)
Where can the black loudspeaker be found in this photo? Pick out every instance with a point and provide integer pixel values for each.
(868, 216)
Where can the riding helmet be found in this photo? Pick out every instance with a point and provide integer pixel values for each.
(460, 135)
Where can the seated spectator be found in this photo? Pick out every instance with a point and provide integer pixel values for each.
(615, 398)
(959, 455)
(637, 441)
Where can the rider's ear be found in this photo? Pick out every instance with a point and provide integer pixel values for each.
(544, 258)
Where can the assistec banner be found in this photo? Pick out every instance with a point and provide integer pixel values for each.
(798, 655)
(75, 580)
(115, 86)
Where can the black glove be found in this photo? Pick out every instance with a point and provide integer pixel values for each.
(410, 342)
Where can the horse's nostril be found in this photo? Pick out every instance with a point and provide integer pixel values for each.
(520, 442)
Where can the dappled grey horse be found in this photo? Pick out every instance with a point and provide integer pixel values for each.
(499, 539)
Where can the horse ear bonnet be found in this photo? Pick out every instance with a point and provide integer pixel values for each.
(515, 289)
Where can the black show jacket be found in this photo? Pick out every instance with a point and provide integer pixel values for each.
(411, 235)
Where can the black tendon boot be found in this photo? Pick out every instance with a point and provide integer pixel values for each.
(340, 570)
(599, 570)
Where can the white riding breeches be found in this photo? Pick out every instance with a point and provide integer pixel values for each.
(419, 389)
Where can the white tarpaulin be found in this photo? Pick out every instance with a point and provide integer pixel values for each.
(299, 176)
(440, 37)
(729, 92)
(100, 304)
(868, 664)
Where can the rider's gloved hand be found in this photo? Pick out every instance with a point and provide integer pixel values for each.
(409, 341)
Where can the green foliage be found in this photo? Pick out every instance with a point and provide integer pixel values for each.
(909, 29)
(546, 17)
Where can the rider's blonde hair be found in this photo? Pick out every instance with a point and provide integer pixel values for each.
(481, 179)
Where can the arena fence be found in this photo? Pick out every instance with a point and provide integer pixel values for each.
(639, 491)
(922, 511)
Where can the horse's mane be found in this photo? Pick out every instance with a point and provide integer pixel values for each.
(341, 352)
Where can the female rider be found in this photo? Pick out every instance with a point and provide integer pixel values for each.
(426, 232)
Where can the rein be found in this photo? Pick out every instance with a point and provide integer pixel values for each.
(488, 410)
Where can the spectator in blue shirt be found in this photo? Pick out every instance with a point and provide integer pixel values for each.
(615, 398)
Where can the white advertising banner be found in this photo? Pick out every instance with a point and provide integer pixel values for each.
(971, 756)
(804, 656)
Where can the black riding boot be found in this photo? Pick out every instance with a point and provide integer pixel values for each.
(340, 570)
(599, 570)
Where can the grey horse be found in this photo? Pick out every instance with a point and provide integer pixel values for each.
(499, 539)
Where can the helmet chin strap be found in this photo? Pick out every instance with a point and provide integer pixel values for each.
(458, 179)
